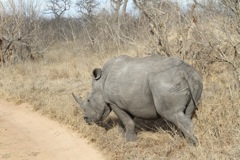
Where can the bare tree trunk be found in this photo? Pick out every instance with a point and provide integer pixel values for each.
(117, 6)
(117, 9)
(1, 53)
(117, 13)
(124, 7)
(1, 47)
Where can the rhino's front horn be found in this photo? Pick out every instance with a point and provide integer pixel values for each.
(79, 100)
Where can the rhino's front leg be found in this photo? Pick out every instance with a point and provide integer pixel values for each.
(127, 121)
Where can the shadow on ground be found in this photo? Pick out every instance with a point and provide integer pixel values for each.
(143, 125)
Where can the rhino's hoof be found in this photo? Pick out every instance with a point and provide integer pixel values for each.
(122, 132)
(193, 141)
(130, 137)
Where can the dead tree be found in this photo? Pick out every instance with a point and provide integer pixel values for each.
(58, 7)
(87, 8)
(225, 47)
(157, 23)
(20, 35)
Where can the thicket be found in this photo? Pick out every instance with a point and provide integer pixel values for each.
(205, 32)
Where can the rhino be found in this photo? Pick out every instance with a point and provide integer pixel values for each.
(148, 87)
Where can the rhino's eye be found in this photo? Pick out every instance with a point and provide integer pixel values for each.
(88, 100)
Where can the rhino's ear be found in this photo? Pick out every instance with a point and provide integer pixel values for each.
(97, 73)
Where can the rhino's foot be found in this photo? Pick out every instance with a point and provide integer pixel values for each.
(130, 137)
(121, 131)
(193, 140)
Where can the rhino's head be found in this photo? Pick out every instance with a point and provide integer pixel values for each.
(95, 108)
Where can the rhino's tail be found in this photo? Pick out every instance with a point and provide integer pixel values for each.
(191, 81)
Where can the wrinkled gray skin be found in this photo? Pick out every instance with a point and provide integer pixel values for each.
(146, 88)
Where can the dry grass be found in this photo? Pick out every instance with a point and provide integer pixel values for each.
(48, 84)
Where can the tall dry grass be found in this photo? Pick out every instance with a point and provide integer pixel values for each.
(48, 84)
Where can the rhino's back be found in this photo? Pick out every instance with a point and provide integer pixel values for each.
(134, 67)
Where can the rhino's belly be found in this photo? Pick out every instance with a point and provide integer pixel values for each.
(143, 112)
(139, 106)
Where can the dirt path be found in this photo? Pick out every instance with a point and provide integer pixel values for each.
(26, 135)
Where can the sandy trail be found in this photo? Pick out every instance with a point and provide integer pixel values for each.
(26, 135)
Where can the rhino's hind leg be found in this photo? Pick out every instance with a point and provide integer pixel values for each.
(128, 123)
(189, 112)
(184, 124)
